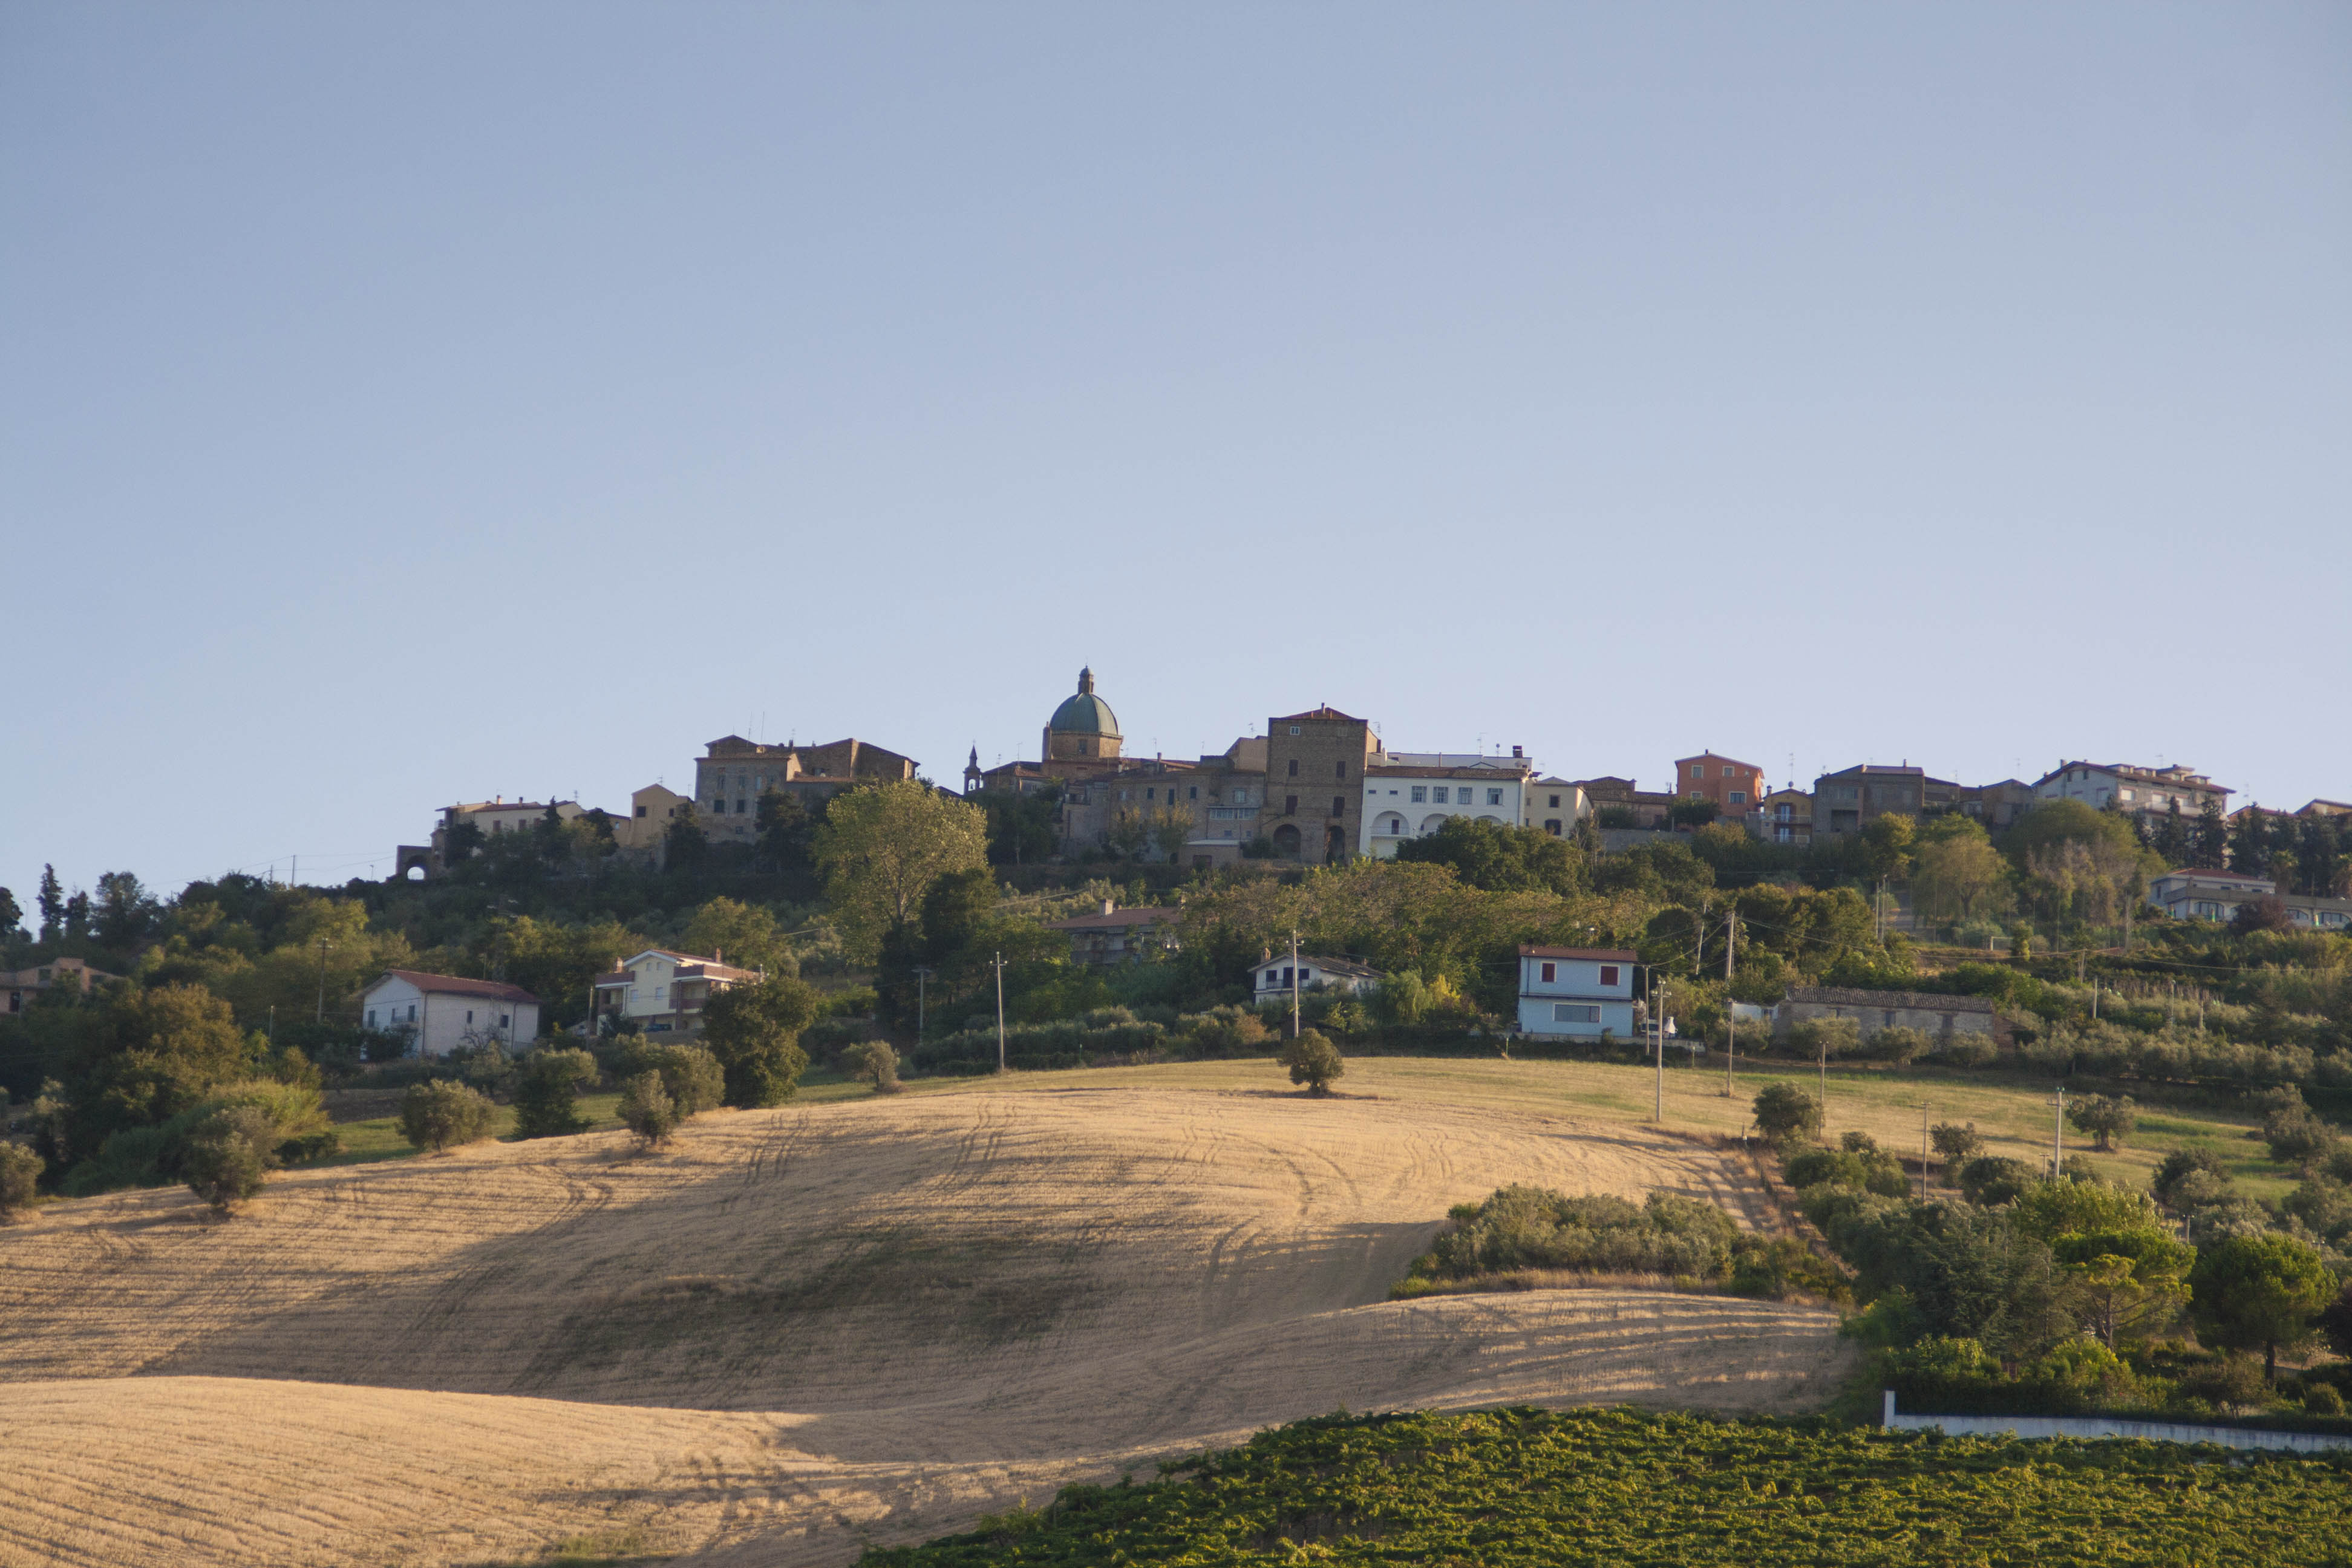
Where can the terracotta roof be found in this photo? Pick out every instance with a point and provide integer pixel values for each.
(1606, 954)
(2205, 874)
(1348, 966)
(455, 985)
(1917, 1001)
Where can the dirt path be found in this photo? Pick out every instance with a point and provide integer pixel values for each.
(803, 1324)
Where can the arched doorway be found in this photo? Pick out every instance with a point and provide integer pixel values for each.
(1286, 842)
(1335, 845)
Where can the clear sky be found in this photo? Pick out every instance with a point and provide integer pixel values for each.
(407, 404)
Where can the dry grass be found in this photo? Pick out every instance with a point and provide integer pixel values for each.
(802, 1328)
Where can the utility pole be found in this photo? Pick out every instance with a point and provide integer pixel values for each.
(1825, 1081)
(922, 976)
(1923, 1149)
(1658, 1028)
(323, 945)
(2058, 1137)
(1000, 1013)
(1294, 984)
(1730, 1014)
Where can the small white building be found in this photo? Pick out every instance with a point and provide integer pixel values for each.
(439, 1013)
(1342, 975)
(1409, 795)
(664, 992)
(2195, 893)
(1585, 991)
(1554, 805)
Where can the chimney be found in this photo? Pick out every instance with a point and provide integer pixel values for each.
(1108, 905)
(1517, 753)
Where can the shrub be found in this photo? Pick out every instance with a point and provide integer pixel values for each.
(1898, 1045)
(1837, 1036)
(1994, 1179)
(547, 1092)
(20, 1170)
(1531, 1227)
(2296, 1136)
(1785, 1112)
(443, 1114)
(2172, 1185)
(1863, 1170)
(2229, 1380)
(690, 1076)
(2109, 1121)
(1313, 1060)
(873, 1062)
(1224, 1031)
(1955, 1144)
(2323, 1399)
(648, 1110)
(1966, 1048)
(226, 1155)
(1783, 1268)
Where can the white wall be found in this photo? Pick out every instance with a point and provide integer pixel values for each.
(438, 1022)
(1391, 812)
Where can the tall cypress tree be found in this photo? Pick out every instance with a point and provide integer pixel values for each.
(2319, 858)
(2249, 842)
(52, 899)
(2172, 836)
(2211, 845)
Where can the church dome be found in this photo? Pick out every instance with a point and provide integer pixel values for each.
(1086, 713)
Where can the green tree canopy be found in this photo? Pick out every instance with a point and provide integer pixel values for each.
(883, 846)
(745, 935)
(2258, 1292)
(1499, 857)
(754, 1032)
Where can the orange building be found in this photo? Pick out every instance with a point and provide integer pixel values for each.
(1736, 787)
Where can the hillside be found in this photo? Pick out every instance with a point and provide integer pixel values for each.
(806, 1328)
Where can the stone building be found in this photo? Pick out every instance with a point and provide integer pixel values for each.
(1314, 783)
(1849, 800)
(733, 773)
(1874, 1010)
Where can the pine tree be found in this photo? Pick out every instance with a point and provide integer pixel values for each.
(2211, 845)
(52, 899)
(2172, 836)
(2249, 842)
(2319, 858)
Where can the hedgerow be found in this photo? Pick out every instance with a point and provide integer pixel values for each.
(1523, 1487)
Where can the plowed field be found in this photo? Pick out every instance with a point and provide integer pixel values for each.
(803, 1329)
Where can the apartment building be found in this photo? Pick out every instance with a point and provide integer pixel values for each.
(1733, 786)
(2142, 792)
(1411, 794)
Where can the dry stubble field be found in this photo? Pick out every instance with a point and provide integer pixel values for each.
(802, 1329)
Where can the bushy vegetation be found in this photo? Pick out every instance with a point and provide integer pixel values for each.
(874, 1063)
(444, 1114)
(2065, 1293)
(20, 1171)
(1525, 1234)
(1504, 1488)
(1313, 1060)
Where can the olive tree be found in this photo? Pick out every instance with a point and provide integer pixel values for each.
(547, 1092)
(2109, 1120)
(20, 1171)
(1313, 1060)
(227, 1156)
(445, 1113)
(1955, 1144)
(873, 1062)
(1785, 1112)
(647, 1109)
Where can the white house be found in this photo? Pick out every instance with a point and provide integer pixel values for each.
(1576, 991)
(2199, 894)
(1344, 974)
(664, 992)
(439, 1013)
(1409, 794)
(2137, 791)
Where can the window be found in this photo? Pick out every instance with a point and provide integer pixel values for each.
(1294, 763)
(1573, 1013)
(1550, 972)
(504, 1021)
(1290, 806)
(1147, 795)
(1494, 797)
(1339, 806)
(1438, 795)
(660, 991)
(1608, 974)
(1294, 729)
(370, 1017)
(1339, 769)
(412, 1011)
(1193, 793)
(741, 806)
(1698, 770)
(1736, 798)
(469, 1015)
(1421, 793)
(641, 811)
(1551, 825)
(1890, 1017)
(1555, 803)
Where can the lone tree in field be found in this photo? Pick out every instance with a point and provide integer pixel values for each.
(443, 1114)
(1785, 1112)
(874, 1062)
(2258, 1292)
(20, 1170)
(1956, 1145)
(1313, 1060)
(226, 1155)
(2108, 1121)
(755, 1031)
(648, 1110)
(547, 1092)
